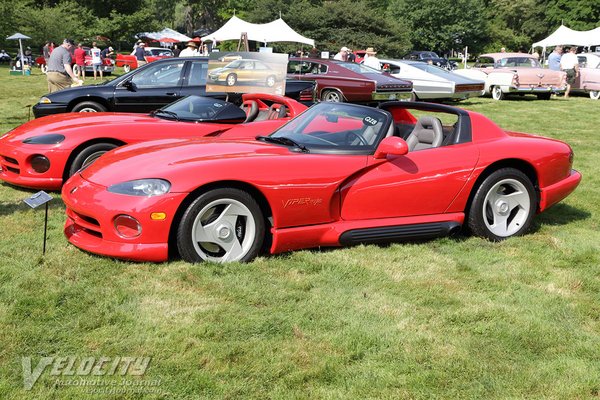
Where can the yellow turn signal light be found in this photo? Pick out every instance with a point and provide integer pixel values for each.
(158, 216)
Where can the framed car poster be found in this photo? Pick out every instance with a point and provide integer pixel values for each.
(247, 72)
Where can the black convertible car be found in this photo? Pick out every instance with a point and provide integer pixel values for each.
(150, 87)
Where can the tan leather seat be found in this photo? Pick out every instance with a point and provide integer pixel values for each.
(427, 134)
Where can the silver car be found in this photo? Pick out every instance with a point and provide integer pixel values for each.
(431, 82)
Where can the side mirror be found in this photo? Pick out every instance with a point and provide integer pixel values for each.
(129, 86)
(392, 145)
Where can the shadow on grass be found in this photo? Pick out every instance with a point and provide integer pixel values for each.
(559, 214)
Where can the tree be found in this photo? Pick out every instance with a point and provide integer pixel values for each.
(442, 25)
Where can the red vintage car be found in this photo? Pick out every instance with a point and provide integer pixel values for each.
(338, 174)
(129, 62)
(44, 152)
(108, 65)
(346, 81)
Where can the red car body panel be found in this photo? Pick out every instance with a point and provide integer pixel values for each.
(313, 198)
(81, 129)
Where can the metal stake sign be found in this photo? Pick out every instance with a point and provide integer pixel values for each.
(35, 201)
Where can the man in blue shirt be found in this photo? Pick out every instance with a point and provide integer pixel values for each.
(554, 58)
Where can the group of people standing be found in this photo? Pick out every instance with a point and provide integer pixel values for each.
(370, 59)
(567, 61)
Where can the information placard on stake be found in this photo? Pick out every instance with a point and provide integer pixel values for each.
(36, 200)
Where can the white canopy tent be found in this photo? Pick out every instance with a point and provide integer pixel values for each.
(19, 36)
(568, 36)
(275, 31)
(166, 33)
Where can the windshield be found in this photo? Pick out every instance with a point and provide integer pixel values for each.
(336, 126)
(429, 54)
(206, 109)
(432, 69)
(359, 68)
(524, 62)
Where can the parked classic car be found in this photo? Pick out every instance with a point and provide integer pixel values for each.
(148, 88)
(589, 60)
(108, 65)
(588, 81)
(515, 73)
(430, 57)
(431, 82)
(244, 72)
(129, 62)
(338, 174)
(346, 81)
(44, 152)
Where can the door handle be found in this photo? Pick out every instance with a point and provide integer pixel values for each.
(171, 94)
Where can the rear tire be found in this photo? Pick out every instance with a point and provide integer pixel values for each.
(126, 68)
(332, 96)
(544, 96)
(231, 79)
(88, 155)
(221, 225)
(414, 97)
(595, 94)
(503, 206)
(89, 106)
(497, 93)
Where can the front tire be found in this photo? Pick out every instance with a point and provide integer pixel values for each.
(88, 106)
(126, 68)
(221, 225)
(332, 96)
(270, 81)
(231, 79)
(88, 155)
(503, 206)
(595, 94)
(497, 93)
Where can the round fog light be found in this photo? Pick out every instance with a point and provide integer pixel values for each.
(40, 163)
(127, 227)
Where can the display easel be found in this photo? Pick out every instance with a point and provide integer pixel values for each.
(243, 39)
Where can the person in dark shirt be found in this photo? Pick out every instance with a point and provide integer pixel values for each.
(176, 51)
(140, 54)
(107, 52)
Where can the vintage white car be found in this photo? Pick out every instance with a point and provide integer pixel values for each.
(589, 60)
(515, 73)
(431, 82)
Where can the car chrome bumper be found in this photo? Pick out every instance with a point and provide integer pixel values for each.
(535, 89)
(552, 194)
(384, 96)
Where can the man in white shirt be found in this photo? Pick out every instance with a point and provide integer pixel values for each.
(570, 64)
(371, 60)
(96, 60)
(342, 55)
(190, 50)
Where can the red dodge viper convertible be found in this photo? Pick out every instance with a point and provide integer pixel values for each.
(44, 152)
(338, 174)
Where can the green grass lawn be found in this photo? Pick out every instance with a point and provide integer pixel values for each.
(449, 318)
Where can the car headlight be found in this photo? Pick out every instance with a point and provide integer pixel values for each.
(142, 187)
(45, 100)
(45, 139)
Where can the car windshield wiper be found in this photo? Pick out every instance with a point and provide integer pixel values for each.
(286, 141)
(165, 112)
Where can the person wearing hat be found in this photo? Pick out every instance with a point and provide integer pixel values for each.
(60, 74)
(107, 52)
(342, 55)
(140, 54)
(190, 51)
(371, 60)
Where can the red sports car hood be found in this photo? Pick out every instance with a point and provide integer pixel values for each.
(170, 158)
(63, 123)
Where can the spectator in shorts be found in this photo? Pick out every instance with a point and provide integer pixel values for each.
(96, 60)
(60, 74)
(570, 64)
(79, 67)
(140, 54)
